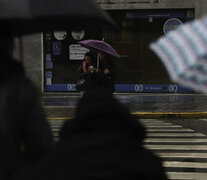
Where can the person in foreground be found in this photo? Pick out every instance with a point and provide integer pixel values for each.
(25, 136)
(103, 141)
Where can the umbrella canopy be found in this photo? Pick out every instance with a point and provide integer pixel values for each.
(99, 46)
(184, 54)
(30, 16)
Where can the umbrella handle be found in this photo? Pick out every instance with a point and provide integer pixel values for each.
(98, 59)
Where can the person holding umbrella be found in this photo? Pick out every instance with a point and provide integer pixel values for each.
(86, 73)
(105, 66)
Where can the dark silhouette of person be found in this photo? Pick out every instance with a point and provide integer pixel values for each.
(22, 120)
(103, 141)
(25, 136)
(106, 72)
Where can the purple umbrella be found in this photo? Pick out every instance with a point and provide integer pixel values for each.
(99, 46)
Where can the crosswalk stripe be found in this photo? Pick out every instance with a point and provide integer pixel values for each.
(56, 125)
(156, 126)
(176, 147)
(187, 175)
(179, 164)
(159, 134)
(176, 140)
(55, 134)
(169, 130)
(182, 155)
(184, 144)
(176, 134)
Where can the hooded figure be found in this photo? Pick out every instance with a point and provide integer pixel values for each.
(103, 141)
(25, 136)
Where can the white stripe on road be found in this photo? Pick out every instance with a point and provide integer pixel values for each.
(179, 164)
(175, 134)
(176, 147)
(55, 134)
(169, 130)
(182, 155)
(176, 140)
(168, 133)
(156, 126)
(187, 175)
(56, 126)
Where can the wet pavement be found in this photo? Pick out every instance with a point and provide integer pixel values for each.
(146, 102)
(180, 143)
(165, 102)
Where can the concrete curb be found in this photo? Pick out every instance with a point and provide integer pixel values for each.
(170, 114)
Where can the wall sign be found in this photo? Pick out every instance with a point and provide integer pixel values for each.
(57, 48)
(78, 35)
(77, 52)
(60, 35)
(171, 24)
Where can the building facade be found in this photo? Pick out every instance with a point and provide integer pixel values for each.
(51, 61)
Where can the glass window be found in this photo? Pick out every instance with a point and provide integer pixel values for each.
(138, 67)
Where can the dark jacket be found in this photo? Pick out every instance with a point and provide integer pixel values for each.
(103, 141)
(89, 79)
(106, 80)
(24, 132)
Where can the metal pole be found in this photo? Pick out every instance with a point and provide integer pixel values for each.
(98, 57)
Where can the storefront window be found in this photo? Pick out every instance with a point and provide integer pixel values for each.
(138, 69)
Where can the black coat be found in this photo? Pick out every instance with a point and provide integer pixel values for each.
(103, 141)
(90, 80)
(25, 136)
(106, 80)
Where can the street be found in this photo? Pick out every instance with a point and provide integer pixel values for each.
(181, 143)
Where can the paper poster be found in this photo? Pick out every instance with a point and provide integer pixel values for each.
(77, 52)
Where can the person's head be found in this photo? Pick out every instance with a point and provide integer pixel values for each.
(88, 58)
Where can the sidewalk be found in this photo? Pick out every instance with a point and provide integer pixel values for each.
(144, 105)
